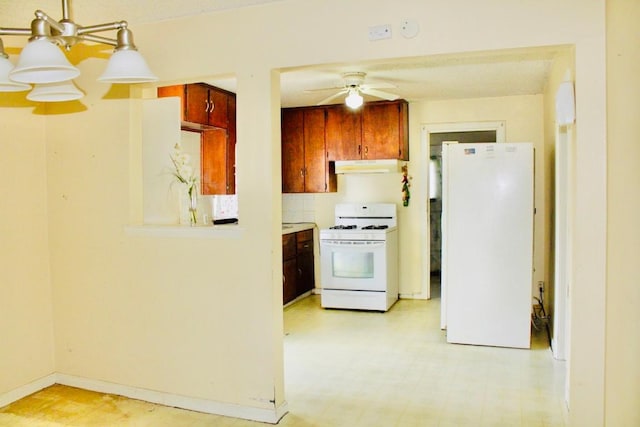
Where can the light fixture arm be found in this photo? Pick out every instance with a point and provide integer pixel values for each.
(15, 31)
(67, 33)
(102, 27)
(42, 64)
(38, 28)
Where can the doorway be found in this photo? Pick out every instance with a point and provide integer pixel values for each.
(433, 136)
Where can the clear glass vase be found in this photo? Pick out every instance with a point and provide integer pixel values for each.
(193, 206)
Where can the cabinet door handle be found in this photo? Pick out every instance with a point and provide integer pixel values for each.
(301, 171)
(366, 150)
(212, 105)
(299, 272)
(206, 105)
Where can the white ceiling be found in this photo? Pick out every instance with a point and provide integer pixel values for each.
(522, 72)
(516, 72)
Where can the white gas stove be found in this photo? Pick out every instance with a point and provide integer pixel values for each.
(359, 257)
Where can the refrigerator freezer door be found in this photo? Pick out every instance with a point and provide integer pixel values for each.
(487, 243)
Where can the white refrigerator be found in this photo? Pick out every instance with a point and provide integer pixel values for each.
(487, 243)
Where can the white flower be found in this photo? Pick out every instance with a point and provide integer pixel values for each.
(182, 168)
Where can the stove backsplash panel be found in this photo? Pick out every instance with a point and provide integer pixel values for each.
(298, 208)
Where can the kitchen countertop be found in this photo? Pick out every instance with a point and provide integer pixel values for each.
(295, 227)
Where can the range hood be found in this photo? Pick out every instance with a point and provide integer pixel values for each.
(368, 166)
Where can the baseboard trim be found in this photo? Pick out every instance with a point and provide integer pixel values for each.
(413, 296)
(27, 389)
(271, 416)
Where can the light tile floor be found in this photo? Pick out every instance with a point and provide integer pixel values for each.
(350, 368)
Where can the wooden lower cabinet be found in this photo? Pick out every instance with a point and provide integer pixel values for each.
(289, 279)
(304, 257)
(297, 264)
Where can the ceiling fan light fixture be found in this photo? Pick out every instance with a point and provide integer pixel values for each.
(354, 100)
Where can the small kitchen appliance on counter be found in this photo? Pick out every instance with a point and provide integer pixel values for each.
(359, 258)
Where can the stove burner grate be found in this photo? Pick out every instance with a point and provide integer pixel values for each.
(375, 227)
(343, 227)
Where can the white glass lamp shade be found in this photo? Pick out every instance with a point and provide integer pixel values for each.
(354, 99)
(127, 66)
(43, 62)
(7, 85)
(55, 92)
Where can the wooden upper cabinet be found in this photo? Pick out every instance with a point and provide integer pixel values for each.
(343, 133)
(211, 112)
(213, 161)
(231, 142)
(305, 168)
(202, 105)
(385, 130)
(218, 108)
(196, 105)
(292, 151)
(315, 161)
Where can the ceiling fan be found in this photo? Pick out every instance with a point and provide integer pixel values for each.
(354, 88)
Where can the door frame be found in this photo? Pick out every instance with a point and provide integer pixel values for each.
(426, 130)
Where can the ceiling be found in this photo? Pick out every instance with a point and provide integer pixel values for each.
(89, 12)
(475, 75)
(487, 74)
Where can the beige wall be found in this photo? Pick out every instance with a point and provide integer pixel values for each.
(623, 210)
(523, 117)
(201, 317)
(26, 352)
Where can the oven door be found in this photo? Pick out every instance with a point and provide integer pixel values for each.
(358, 265)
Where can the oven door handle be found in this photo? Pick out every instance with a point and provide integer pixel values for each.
(351, 243)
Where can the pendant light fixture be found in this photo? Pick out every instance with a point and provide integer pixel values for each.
(55, 92)
(7, 85)
(44, 64)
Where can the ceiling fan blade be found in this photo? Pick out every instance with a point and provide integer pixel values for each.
(378, 85)
(324, 89)
(380, 94)
(332, 97)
